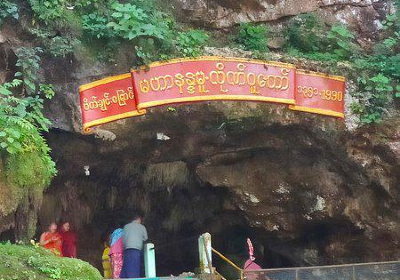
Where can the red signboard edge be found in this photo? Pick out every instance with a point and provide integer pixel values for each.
(87, 126)
(315, 110)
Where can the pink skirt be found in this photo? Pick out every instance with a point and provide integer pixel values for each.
(116, 264)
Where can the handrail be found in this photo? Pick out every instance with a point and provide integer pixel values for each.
(241, 271)
(323, 266)
(226, 259)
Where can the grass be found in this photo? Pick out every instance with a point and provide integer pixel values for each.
(22, 262)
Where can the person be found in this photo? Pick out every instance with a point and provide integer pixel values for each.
(51, 240)
(106, 259)
(116, 252)
(68, 241)
(134, 235)
(250, 264)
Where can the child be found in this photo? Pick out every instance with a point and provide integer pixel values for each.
(106, 259)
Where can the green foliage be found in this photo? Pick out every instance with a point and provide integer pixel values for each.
(21, 120)
(104, 25)
(191, 43)
(341, 42)
(56, 45)
(376, 73)
(61, 46)
(96, 26)
(25, 262)
(131, 22)
(375, 94)
(27, 159)
(28, 62)
(48, 10)
(390, 22)
(306, 33)
(8, 9)
(253, 37)
(31, 169)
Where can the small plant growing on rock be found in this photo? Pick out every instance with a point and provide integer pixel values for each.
(253, 37)
(191, 43)
(96, 26)
(48, 10)
(376, 93)
(8, 9)
(130, 22)
(342, 42)
(306, 33)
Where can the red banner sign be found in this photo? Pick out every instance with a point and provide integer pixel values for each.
(320, 94)
(107, 100)
(213, 78)
(210, 78)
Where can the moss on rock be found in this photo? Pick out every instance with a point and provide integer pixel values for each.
(32, 262)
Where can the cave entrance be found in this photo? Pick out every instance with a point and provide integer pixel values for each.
(215, 175)
(175, 218)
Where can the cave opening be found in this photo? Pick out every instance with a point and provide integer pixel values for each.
(177, 205)
(275, 184)
(174, 220)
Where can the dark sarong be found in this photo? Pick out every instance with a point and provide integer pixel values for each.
(131, 265)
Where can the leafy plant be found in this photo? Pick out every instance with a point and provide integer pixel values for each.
(390, 21)
(27, 160)
(96, 26)
(306, 33)
(53, 43)
(342, 41)
(144, 54)
(48, 10)
(131, 22)
(191, 43)
(25, 113)
(375, 93)
(28, 62)
(61, 46)
(253, 37)
(21, 121)
(8, 9)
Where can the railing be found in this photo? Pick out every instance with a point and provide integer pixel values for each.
(363, 271)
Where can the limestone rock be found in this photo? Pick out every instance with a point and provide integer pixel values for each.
(363, 15)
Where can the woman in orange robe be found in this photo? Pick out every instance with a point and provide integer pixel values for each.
(51, 240)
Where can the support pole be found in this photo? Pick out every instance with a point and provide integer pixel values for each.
(205, 253)
(150, 260)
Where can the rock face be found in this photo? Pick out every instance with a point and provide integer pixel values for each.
(303, 187)
(363, 15)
